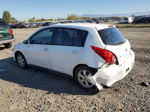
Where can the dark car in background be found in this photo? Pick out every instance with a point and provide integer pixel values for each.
(6, 34)
(141, 20)
(25, 25)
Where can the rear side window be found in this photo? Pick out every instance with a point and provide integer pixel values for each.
(70, 37)
(111, 36)
(79, 37)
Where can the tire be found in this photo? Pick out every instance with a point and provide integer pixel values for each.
(21, 61)
(79, 76)
(8, 45)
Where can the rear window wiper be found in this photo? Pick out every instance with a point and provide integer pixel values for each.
(120, 42)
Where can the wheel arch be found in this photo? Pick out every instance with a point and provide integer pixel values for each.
(79, 65)
(15, 54)
(25, 61)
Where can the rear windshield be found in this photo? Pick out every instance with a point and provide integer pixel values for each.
(111, 36)
(3, 24)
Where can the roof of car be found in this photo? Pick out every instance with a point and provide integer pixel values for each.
(82, 25)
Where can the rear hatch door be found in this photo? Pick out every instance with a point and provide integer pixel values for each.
(3, 25)
(116, 43)
(4, 30)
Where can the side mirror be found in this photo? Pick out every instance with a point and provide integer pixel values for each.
(26, 42)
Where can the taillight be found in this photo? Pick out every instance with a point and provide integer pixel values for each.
(108, 56)
(10, 32)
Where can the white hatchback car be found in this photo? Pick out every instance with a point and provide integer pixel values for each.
(93, 54)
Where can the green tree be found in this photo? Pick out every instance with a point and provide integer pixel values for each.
(39, 20)
(13, 20)
(7, 16)
(32, 19)
(72, 17)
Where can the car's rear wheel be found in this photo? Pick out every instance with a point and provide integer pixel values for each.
(21, 61)
(80, 76)
(8, 45)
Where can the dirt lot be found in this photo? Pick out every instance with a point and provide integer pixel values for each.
(35, 90)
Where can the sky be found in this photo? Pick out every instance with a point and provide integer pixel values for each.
(25, 9)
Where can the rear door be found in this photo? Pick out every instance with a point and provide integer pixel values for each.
(116, 43)
(67, 48)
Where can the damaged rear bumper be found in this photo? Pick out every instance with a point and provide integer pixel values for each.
(113, 73)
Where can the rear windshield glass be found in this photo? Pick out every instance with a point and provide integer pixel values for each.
(111, 36)
(3, 24)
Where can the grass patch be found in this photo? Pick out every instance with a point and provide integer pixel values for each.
(133, 26)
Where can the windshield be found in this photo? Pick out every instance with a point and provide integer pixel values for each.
(111, 36)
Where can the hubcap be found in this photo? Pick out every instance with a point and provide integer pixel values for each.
(20, 60)
(82, 77)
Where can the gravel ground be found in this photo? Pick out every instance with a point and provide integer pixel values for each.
(36, 90)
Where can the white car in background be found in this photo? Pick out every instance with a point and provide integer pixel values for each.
(93, 54)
